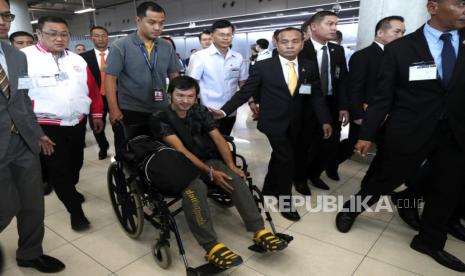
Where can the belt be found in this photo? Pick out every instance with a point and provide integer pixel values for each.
(13, 129)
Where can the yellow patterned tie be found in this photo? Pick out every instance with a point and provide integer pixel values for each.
(4, 83)
(292, 81)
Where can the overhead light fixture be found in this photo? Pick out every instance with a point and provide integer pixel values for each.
(84, 9)
(34, 21)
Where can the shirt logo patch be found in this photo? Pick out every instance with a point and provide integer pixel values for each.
(78, 68)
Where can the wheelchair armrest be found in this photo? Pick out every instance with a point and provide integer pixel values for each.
(228, 138)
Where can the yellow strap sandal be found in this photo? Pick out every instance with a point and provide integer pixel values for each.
(223, 257)
(269, 242)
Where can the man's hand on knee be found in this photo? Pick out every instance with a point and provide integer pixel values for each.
(220, 179)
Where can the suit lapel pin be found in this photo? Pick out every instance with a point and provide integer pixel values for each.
(303, 70)
(463, 42)
(332, 50)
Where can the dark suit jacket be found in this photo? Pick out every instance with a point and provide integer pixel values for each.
(362, 80)
(280, 111)
(19, 106)
(338, 65)
(415, 107)
(91, 58)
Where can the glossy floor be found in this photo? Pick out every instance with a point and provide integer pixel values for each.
(377, 245)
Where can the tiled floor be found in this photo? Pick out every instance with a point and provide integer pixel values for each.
(377, 244)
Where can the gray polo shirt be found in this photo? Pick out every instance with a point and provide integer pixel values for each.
(136, 82)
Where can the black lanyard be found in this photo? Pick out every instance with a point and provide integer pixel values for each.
(152, 64)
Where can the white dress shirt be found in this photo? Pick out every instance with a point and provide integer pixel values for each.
(218, 75)
(285, 67)
(380, 45)
(319, 55)
(3, 60)
(265, 54)
(97, 54)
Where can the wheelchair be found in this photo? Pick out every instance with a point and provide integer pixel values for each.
(136, 201)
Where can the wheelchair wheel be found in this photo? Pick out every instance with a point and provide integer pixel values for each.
(126, 201)
(162, 255)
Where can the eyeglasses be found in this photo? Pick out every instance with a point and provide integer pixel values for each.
(55, 35)
(7, 16)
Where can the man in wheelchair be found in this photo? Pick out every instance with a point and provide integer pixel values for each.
(189, 128)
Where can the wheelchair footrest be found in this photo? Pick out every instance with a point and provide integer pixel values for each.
(204, 270)
(256, 248)
(284, 237)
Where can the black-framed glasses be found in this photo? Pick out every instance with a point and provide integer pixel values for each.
(7, 16)
(55, 35)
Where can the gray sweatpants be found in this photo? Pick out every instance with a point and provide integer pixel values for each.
(197, 213)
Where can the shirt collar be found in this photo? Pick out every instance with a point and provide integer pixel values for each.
(317, 45)
(436, 34)
(213, 50)
(98, 52)
(42, 49)
(380, 45)
(285, 61)
(136, 39)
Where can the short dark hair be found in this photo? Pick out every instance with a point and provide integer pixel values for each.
(183, 83)
(170, 40)
(79, 44)
(220, 24)
(98, 28)
(148, 6)
(263, 43)
(276, 33)
(290, 29)
(319, 16)
(19, 33)
(305, 25)
(385, 23)
(206, 32)
(50, 19)
(192, 50)
(339, 35)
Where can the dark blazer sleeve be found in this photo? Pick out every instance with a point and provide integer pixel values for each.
(250, 88)
(30, 115)
(318, 101)
(356, 84)
(342, 91)
(382, 97)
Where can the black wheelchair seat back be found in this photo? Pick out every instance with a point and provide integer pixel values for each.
(164, 168)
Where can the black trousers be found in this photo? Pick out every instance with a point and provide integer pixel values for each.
(447, 161)
(324, 154)
(135, 123)
(100, 137)
(64, 165)
(278, 180)
(227, 124)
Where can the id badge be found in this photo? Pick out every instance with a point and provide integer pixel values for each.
(46, 81)
(337, 72)
(157, 95)
(62, 76)
(423, 72)
(305, 89)
(233, 74)
(25, 82)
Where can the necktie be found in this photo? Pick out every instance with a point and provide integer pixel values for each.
(292, 80)
(448, 58)
(324, 71)
(102, 74)
(4, 85)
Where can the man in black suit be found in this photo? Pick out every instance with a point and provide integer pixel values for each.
(288, 89)
(422, 89)
(361, 84)
(96, 58)
(333, 71)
